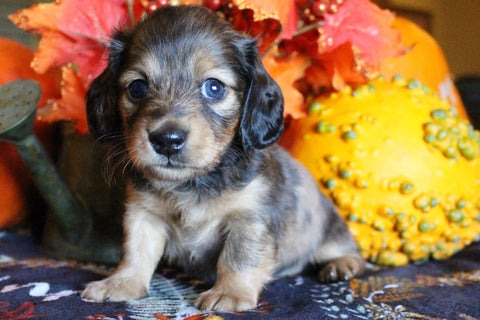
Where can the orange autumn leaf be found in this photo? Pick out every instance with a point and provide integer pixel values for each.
(71, 105)
(334, 70)
(285, 72)
(284, 11)
(73, 32)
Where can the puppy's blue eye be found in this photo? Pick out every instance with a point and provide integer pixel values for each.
(137, 89)
(213, 89)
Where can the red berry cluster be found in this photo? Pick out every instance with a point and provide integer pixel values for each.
(216, 4)
(313, 10)
(224, 8)
(310, 14)
(153, 5)
(310, 11)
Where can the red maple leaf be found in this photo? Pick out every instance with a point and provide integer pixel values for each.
(366, 27)
(74, 32)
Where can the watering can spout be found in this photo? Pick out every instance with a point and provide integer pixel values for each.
(18, 103)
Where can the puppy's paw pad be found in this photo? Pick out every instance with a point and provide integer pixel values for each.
(226, 302)
(114, 289)
(342, 269)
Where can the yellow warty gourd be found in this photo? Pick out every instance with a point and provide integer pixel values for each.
(401, 167)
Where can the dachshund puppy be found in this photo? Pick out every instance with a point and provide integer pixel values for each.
(208, 190)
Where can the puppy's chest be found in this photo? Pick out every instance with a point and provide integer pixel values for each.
(197, 227)
(194, 221)
(193, 229)
(195, 233)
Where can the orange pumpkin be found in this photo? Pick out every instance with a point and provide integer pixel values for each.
(424, 60)
(15, 61)
(12, 202)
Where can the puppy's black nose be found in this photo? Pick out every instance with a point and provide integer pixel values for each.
(168, 142)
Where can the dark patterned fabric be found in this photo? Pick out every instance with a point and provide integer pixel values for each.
(36, 286)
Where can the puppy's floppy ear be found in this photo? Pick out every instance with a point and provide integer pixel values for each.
(102, 96)
(262, 119)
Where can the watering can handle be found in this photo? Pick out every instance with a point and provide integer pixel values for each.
(70, 216)
(18, 102)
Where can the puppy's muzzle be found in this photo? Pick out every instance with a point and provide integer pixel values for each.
(168, 141)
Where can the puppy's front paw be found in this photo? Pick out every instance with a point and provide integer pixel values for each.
(220, 300)
(342, 269)
(115, 288)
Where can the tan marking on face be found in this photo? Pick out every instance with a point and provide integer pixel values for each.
(207, 138)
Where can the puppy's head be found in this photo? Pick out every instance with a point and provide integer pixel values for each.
(180, 89)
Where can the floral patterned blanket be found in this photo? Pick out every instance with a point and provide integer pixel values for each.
(36, 286)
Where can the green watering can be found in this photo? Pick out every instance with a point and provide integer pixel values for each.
(81, 224)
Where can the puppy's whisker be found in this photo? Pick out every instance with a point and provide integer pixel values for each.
(107, 137)
(238, 152)
(116, 160)
(127, 164)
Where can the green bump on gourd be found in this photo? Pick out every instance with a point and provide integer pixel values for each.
(345, 174)
(330, 184)
(353, 217)
(406, 188)
(315, 107)
(325, 127)
(421, 202)
(430, 137)
(455, 216)
(424, 226)
(349, 135)
(461, 204)
(450, 152)
(413, 84)
(442, 134)
(439, 114)
(468, 148)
